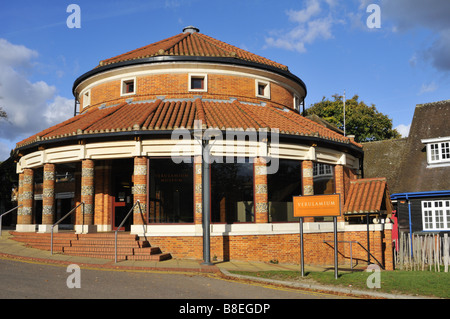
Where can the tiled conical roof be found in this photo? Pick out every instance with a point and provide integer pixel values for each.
(169, 115)
(191, 43)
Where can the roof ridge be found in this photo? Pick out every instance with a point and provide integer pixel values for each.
(173, 40)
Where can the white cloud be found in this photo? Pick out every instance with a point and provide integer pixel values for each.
(432, 15)
(310, 25)
(30, 106)
(403, 129)
(428, 87)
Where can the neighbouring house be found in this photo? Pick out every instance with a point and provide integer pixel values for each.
(417, 169)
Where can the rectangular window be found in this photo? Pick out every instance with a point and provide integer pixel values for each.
(262, 89)
(436, 215)
(128, 86)
(86, 98)
(198, 82)
(438, 151)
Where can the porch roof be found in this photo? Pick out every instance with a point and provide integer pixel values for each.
(367, 195)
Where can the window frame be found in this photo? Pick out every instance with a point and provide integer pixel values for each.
(202, 76)
(436, 215)
(438, 151)
(266, 85)
(124, 82)
(86, 98)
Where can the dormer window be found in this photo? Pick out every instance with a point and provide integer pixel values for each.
(262, 89)
(128, 86)
(198, 82)
(438, 151)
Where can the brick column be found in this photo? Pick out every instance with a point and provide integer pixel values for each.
(198, 190)
(25, 214)
(340, 188)
(20, 199)
(307, 182)
(102, 212)
(140, 189)
(261, 195)
(87, 195)
(48, 198)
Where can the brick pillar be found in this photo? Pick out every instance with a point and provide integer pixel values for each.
(140, 189)
(261, 196)
(27, 196)
(340, 188)
(48, 197)
(87, 194)
(20, 199)
(101, 211)
(198, 190)
(388, 250)
(307, 182)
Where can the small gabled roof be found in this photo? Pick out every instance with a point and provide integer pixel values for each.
(366, 195)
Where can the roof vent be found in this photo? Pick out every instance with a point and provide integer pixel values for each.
(191, 29)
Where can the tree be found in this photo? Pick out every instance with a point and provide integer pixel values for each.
(3, 114)
(361, 120)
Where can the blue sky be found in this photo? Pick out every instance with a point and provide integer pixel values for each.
(327, 43)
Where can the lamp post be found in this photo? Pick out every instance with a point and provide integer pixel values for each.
(203, 136)
(206, 207)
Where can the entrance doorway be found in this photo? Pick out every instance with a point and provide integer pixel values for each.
(121, 178)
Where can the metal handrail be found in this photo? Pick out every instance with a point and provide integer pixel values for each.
(357, 242)
(123, 221)
(71, 211)
(1, 216)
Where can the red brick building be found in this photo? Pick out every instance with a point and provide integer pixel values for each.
(134, 138)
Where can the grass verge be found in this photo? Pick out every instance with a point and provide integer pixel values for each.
(417, 283)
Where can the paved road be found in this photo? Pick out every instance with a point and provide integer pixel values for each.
(20, 280)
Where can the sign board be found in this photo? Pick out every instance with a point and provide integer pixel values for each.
(317, 205)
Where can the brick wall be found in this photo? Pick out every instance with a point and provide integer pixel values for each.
(176, 86)
(284, 248)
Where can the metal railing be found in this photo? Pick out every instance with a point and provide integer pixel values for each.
(1, 216)
(351, 254)
(138, 203)
(71, 211)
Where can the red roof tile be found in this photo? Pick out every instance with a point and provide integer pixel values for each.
(366, 196)
(169, 115)
(191, 44)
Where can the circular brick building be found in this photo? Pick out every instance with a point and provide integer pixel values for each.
(134, 136)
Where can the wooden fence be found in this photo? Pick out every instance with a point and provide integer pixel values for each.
(429, 252)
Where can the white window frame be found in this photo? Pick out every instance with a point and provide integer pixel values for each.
(296, 102)
(438, 151)
(198, 76)
(86, 98)
(436, 215)
(123, 85)
(266, 84)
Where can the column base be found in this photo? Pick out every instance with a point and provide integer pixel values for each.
(104, 228)
(47, 228)
(26, 228)
(85, 229)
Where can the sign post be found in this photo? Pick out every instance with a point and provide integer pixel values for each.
(318, 206)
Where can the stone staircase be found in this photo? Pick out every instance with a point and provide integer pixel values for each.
(95, 245)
